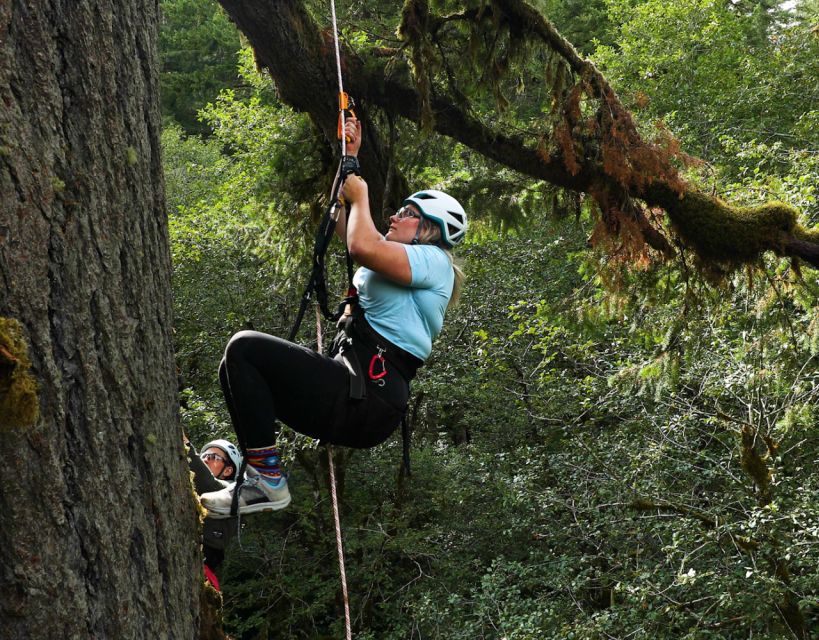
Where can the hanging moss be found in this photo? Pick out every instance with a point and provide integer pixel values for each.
(414, 29)
(19, 405)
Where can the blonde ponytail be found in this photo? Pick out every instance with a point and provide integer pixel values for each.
(430, 233)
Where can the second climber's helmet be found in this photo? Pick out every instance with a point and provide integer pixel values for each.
(230, 449)
(443, 209)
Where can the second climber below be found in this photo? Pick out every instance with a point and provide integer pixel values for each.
(405, 284)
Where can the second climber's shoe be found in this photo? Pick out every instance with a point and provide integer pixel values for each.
(256, 493)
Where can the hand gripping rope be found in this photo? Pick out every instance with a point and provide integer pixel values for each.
(347, 166)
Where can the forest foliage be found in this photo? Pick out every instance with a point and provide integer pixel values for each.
(605, 444)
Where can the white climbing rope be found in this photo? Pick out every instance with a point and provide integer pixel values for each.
(334, 498)
(340, 82)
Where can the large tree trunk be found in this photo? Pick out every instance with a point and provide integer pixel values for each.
(98, 527)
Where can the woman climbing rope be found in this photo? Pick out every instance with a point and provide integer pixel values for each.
(406, 282)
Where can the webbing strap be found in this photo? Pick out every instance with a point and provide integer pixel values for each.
(317, 282)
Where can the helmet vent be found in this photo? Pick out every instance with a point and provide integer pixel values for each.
(424, 196)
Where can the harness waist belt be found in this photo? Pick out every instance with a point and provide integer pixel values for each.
(406, 363)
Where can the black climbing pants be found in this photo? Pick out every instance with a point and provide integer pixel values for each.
(266, 379)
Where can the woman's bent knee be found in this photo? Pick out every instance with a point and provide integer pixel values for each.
(241, 343)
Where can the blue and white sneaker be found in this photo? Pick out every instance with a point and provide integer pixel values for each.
(257, 493)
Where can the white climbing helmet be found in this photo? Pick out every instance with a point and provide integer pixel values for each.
(230, 449)
(443, 209)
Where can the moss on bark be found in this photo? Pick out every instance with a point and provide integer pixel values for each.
(19, 404)
(729, 234)
(210, 622)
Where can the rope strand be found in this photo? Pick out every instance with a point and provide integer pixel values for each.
(339, 543)
(338, 71)
(339, 546)
(334, 497)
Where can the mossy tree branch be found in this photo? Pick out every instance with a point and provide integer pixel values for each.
(603, 156)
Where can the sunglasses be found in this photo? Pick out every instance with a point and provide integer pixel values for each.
(211, 457)
(406, 212)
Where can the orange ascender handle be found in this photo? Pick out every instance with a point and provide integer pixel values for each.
(345, 103)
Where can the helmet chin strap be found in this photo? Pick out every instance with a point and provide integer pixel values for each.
(418, 230)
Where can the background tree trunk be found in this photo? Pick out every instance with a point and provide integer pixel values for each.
(97, 520)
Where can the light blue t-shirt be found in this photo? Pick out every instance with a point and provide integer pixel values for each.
(409, 316)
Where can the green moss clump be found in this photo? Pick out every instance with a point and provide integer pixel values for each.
(808, 235)
(19, 404)
(210, 608)
(728, 234)
(414, 30)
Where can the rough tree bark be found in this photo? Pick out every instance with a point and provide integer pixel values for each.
(98, 525)
(299, 56)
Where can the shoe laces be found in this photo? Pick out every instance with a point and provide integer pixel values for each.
(250, 481)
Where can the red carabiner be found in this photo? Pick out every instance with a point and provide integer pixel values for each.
(378, 358)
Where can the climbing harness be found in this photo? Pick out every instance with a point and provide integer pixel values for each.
(353, 327)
